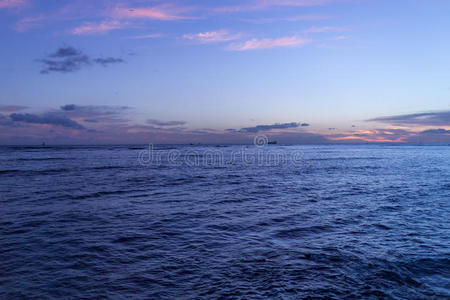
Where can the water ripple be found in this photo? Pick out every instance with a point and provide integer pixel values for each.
(349, 222)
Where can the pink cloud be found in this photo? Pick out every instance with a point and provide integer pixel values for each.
(268, 3)
(213, 36)
(12, 3)
(256, 44)
(265, 4)
(161, 12)
(28, 23)
(373, 135)
(98, 28)
(146, 36)
(296, 18)
(73, 11)
(307, 18)
(11, 108)
(325, 29)
(341, 37)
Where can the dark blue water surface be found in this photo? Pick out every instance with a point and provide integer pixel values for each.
(369, 221)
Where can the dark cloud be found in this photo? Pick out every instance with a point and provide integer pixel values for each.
(165, 123)
(65, 52)
(68, 59)
(5, 121)
(431, 119)
(90, 111)
(66, 65)
(110, 124)
(159, 129)
(436, 131)
(103, 114)
(304, 125)
(332, 128)
(270, 127)
(11, 108)
(107, 61)
(438, 135)
(49, 119)
(68, 107)
(94, 113)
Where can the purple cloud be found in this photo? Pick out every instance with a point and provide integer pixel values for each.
(46, 119)
(68, 60)
(441, 118)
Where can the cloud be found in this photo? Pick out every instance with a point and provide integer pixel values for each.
(437, 135)
(68, 59)
(305, 18)
(146, 36)
(90, 120)
(11, 108)
(66, 52)
(69, 107)
(13, 3)
(107, 61)
(165, 123)
(372, 135)
(266, 4)
(164, 12)
(213, 36)
(94, 108)
(341, 37)
(441, 118)
(46, 119)
(6, 121)
(91, 28)
(436, 131)
(93, 113)
(67, 65)
(72, 123)
(325, 29)
(69, 121)
(25, 24)
(296, 18)
(69, 11)
(120, 16)
(256, 44)
(270, 127)
(102, 16)
(304, 125)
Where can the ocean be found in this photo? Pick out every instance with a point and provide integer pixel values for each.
(230, 222)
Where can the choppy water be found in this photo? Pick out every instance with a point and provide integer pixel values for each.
(342, 222)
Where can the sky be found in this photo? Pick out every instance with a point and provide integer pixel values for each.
(184, 71)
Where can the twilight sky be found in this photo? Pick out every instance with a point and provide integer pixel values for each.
(181, 71)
